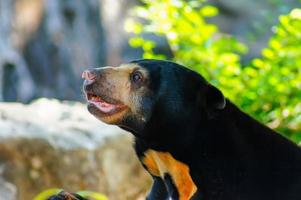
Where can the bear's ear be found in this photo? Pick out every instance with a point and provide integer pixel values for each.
(215, 99)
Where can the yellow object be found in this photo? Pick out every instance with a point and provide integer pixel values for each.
(86, 194)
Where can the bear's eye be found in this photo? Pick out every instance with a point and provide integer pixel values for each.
(136, 77)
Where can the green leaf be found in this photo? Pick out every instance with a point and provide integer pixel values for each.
(209, 11)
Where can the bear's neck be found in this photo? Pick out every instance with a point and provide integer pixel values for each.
(225, 136)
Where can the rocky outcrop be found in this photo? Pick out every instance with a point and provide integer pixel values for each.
(52, 144)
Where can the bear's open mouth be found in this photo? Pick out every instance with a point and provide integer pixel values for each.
(104, 106)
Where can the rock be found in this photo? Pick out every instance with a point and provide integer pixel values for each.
(52, 144)
(15, 79)
(68, 39)
(8, 191)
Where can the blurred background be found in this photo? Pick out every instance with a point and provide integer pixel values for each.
(248, 49)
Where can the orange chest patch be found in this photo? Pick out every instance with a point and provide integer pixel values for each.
(160, 163)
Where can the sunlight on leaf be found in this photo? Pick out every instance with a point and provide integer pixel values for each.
(209, 11)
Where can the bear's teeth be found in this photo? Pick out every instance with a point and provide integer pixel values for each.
(95, 98)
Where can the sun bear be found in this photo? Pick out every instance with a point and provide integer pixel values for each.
(193, 141)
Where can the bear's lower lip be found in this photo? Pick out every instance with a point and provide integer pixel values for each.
(102, 105)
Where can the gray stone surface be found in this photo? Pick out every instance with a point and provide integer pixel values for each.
(66, 125)
(52, 144)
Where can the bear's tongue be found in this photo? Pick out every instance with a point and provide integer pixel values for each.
(101, 104)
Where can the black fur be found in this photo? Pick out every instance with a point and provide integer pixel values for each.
(230, 155)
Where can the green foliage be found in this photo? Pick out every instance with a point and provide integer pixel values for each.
(194, 42)
(273, 82)
(86, 194)
(268, 88)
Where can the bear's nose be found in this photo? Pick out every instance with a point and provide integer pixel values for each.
(89, 75)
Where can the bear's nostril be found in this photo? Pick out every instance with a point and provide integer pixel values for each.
(88, 75)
